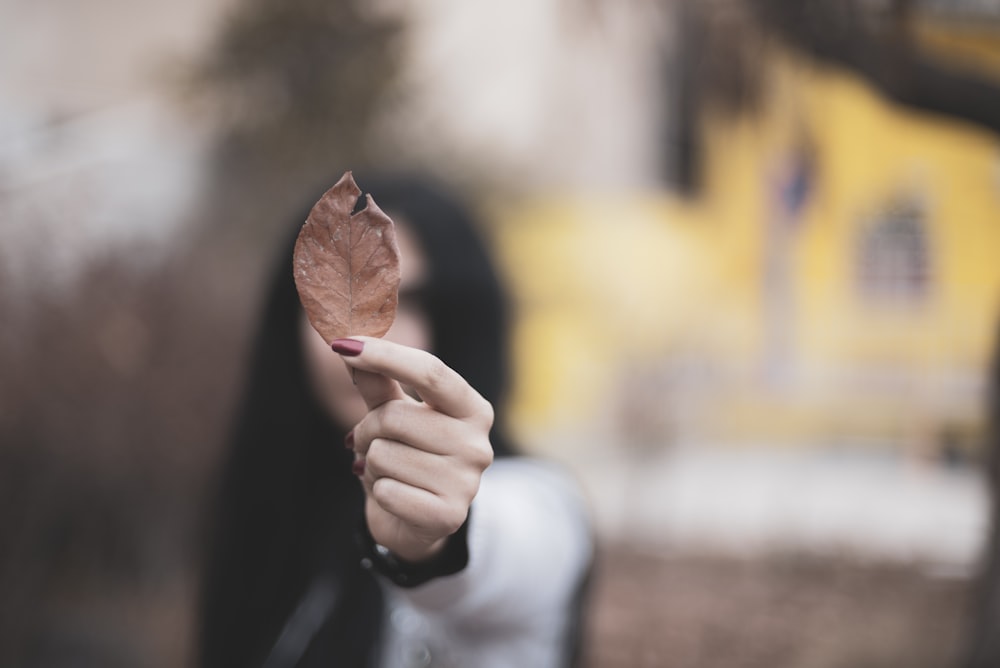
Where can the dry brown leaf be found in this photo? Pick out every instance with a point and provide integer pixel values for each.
(347, 265)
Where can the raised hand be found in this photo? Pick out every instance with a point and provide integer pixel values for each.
(420, 461)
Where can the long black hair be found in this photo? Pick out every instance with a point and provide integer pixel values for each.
(288, 505)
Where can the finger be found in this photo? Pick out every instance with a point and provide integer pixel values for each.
(437, 384)
(375, 388)
(421, 427)
(432, 473)
(418, 508)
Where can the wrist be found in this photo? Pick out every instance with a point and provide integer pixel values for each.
(419, 553)
(448, 556)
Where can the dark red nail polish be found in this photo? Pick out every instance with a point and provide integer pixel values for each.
(349, 440)
(347, 347)
(358, 467)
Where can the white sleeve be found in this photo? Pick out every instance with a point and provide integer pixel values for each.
(530, 543)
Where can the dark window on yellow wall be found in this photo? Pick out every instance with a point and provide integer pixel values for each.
(894, 256)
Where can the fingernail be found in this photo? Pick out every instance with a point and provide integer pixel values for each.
(349, 440)
(358, 467)
(347, 347)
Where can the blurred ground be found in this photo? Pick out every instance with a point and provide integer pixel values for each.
(649, 609)
(776, 558)
(867, 502)
(703, 611)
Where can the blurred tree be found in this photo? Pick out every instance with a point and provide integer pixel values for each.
(713, 64)
(293, 89)
(297, 85)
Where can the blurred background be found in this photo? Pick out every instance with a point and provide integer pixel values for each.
(752, 246)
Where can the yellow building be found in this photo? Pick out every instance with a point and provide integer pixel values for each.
(837, 281)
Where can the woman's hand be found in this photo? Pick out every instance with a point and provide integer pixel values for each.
(420, 462)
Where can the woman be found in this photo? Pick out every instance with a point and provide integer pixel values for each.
(436, 557)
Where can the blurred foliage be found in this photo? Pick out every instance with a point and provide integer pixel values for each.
(111, 403)
(296, 85)
(720, 56)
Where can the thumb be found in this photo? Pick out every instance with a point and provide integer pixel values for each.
(375, 388)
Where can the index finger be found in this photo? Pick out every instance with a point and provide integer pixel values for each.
(439, 386)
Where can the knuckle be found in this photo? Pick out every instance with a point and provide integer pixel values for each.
(436, 373)
(389, 414)
(464, 484)
(388, 420)
(375, 460)
(453, 518)
(481, 412)
(363, 431)
(382, 492)
(470, 487)
(487, 411)
(481, 455)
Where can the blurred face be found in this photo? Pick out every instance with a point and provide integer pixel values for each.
(329, 376)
